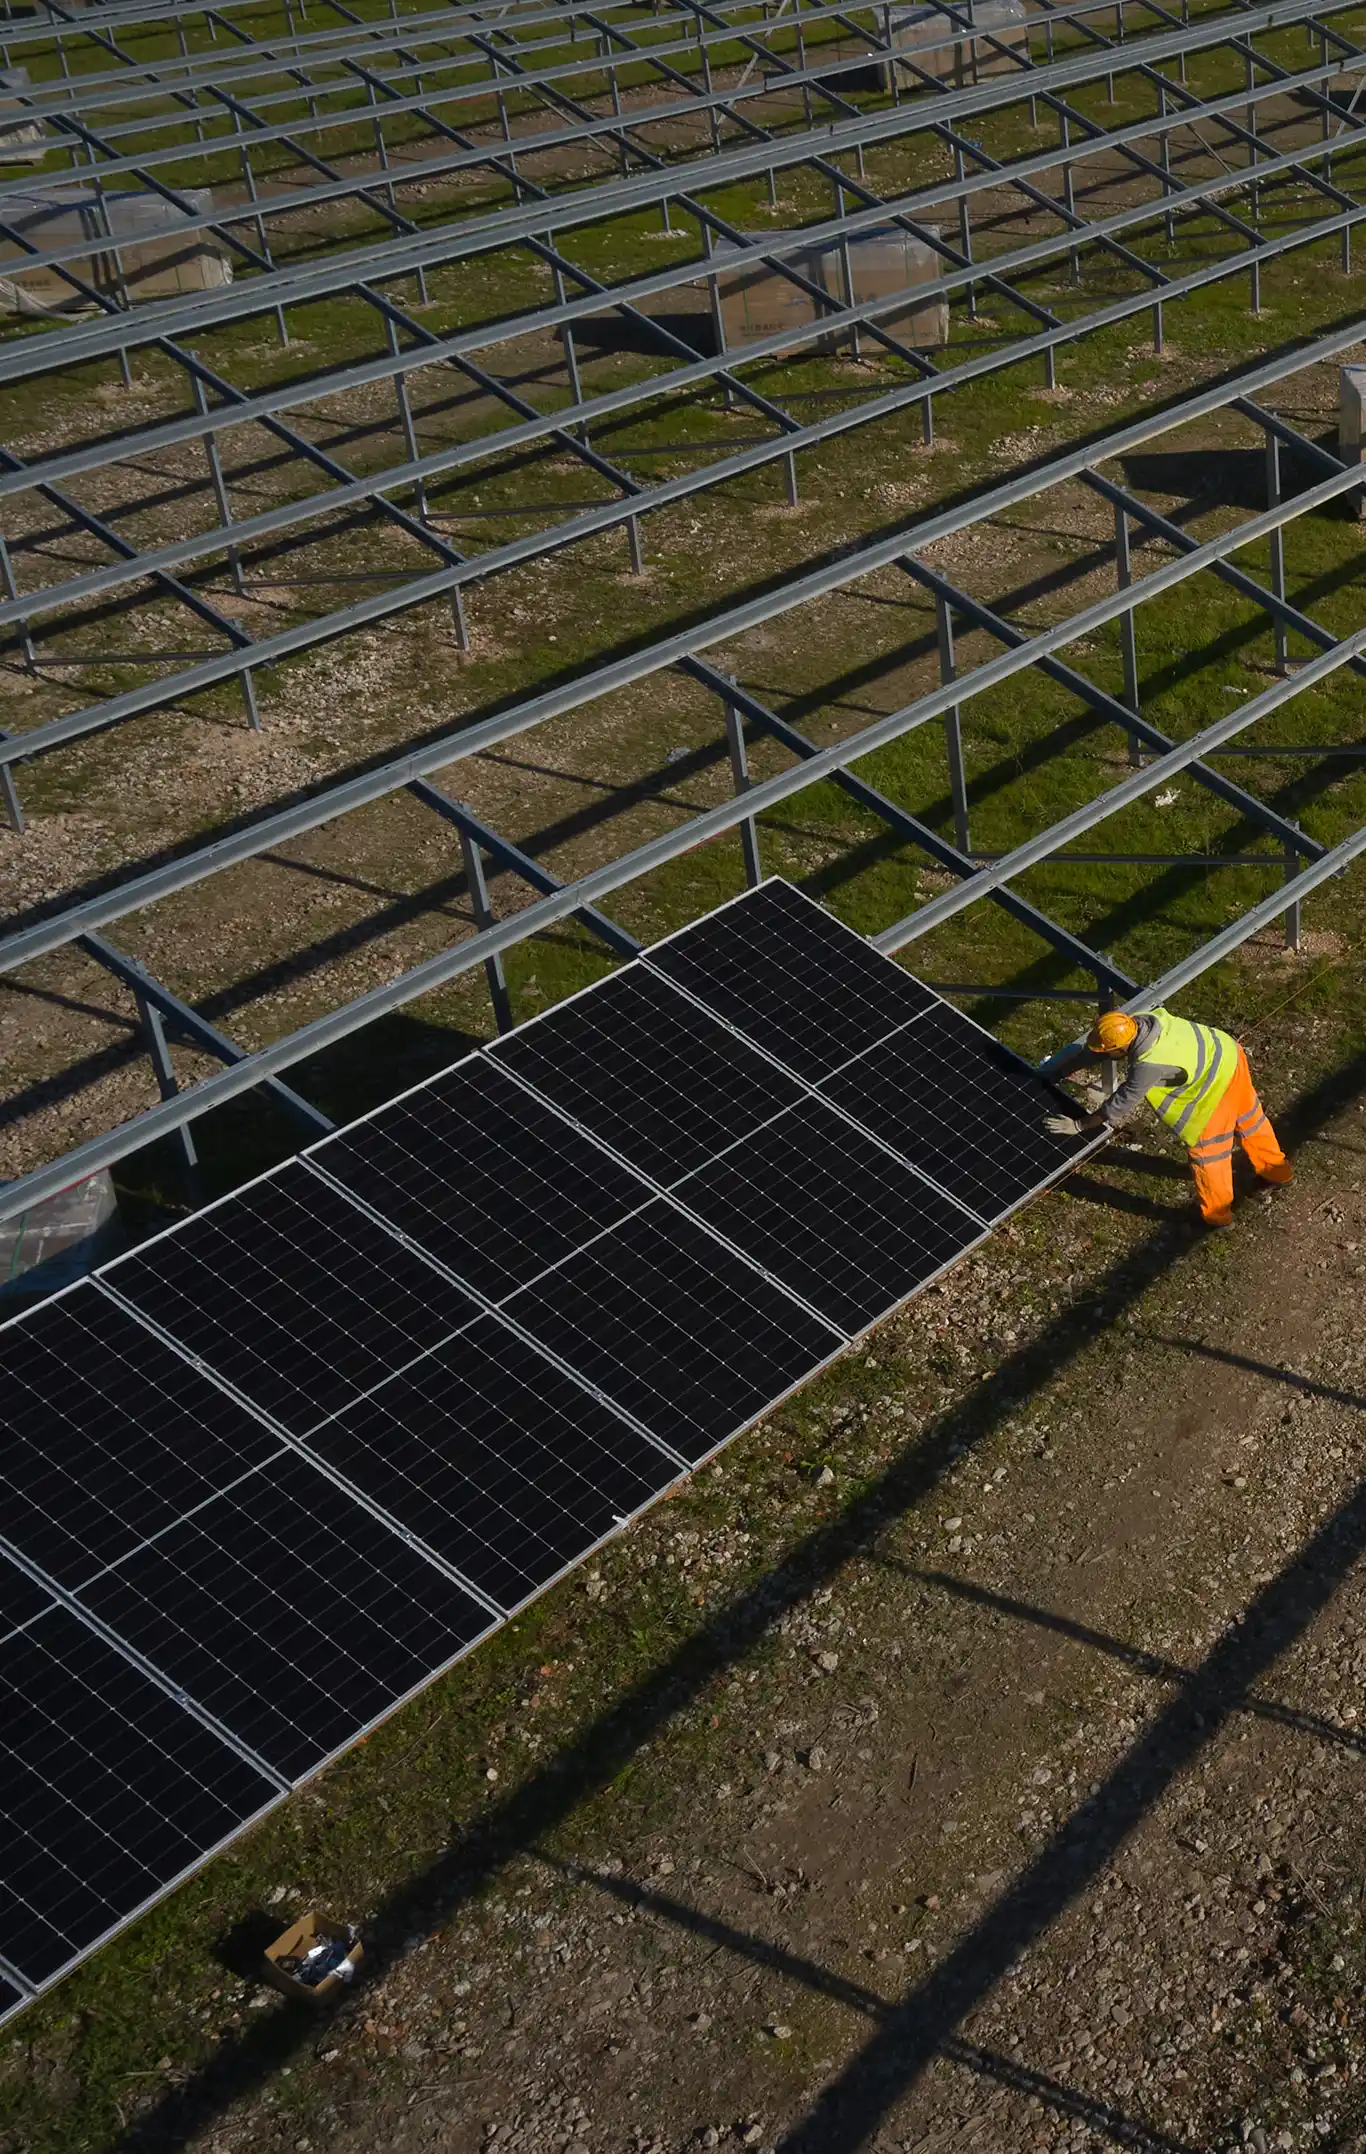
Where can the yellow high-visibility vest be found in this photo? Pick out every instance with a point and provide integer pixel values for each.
(1209, 1056)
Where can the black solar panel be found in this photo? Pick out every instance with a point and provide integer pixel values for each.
(10, 1998)
(293, 1296)
(958, 1105)
(672, 1327)
(272, 1597)
(648, 1072)
(288, 1612)
(109, 1791)
(830, 1214)
(506, 1467)
(20, 1601)
(789, 976)
(490, 1181)
(108, 1435)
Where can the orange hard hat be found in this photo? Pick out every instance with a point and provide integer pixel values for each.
(1112, 1033)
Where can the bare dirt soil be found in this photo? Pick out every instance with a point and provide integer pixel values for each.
(1017, 1807)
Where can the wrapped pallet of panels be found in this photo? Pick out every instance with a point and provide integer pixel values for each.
(129, 245)
(756, 301)
(932, 42)
(23, 139)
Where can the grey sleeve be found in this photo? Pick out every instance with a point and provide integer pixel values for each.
(1122, 1105)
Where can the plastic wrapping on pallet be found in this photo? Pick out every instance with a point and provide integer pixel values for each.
(23, 140)
(60, 1239)
(926, 35)
(757, 301)
(130, 245)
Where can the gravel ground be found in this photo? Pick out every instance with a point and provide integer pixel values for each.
(1032, 1822)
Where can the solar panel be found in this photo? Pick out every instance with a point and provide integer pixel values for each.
(675, 1329)
(10, 1998)
(499, 1461)
(494, 1184)
(292, 1296)
(792, 978)
(288, 1612)
(110, 1791)
(20, 1600)
(284, 1571)
(108, 1436)
(648, 1072)
(961, 1107)
(830, 1214)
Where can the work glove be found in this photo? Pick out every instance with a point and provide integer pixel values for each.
(1062, 1125)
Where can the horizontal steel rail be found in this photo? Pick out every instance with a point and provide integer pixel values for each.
(919, 203)
(219, 420)
(766, 793)
(398, 257)
(232, 665)
(390, 777)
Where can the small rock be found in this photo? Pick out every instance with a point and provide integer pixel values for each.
(491, 1773)
(951, 1525)
(772, 1760)
(815, 1759)
(779, 2032)
(701, 2021)
(825, 1478)
(827, 1662)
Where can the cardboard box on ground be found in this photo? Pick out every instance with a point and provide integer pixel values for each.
(286, 1965)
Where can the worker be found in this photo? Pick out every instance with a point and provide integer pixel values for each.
(1197, 1080)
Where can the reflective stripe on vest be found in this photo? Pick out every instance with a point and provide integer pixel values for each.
(1209, 1057)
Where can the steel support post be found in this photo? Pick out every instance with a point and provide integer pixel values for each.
(1127, 629)
(1292, 911)
(154, 1032)
(740, 779)
(1277, 542)
(953, 726)
(483, 918)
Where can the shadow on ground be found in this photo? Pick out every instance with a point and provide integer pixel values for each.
(912, 2031)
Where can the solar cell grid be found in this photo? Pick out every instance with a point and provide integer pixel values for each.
(830, 1214)
(279, 1602)
(108, 1435)
(487, 1179)
(506, 1467)
(648, 1072)
(110, 1791)
(288, 1612)
(674, 1328)
(792, 978)
(292, 1295)
(20, 1602)
(959, 1106)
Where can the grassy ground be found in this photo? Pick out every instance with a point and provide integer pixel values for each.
(559, 1704)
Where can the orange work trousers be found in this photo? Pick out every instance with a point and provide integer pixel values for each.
(1239, 1118)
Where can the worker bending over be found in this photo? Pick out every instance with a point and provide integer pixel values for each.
(1197, 1080)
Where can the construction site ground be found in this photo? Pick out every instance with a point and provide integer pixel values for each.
(969, 1761)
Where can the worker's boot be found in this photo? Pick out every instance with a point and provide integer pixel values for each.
(1281, 1173)
(1220, 1222)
